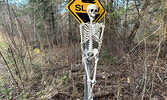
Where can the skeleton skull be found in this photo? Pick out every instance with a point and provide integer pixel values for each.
(92, 12)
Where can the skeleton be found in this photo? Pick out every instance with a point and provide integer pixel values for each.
(91, 32)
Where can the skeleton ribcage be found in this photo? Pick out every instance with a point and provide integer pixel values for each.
(96, 32)
(86, 32)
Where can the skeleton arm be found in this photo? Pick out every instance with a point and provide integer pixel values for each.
(81, 34)
(82, 44)
(101, 37)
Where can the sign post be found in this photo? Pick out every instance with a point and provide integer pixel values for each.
(88, 13)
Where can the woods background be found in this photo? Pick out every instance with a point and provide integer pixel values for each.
(41, 56)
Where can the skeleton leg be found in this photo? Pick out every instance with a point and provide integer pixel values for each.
(86, 69)
(94, 76)
(93, 82)
(91, 91)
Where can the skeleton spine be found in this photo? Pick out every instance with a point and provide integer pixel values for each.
(90, 40)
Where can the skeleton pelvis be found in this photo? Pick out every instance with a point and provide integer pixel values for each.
(91, 54)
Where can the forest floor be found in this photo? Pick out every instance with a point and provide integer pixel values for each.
(130, 78)
(116, 82)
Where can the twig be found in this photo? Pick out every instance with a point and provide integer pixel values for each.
(155, 63)
(145, 73)
(159, 77)
(9, 70)
(18, 71)
(144, 39)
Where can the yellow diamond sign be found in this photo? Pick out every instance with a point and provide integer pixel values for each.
(78, 9)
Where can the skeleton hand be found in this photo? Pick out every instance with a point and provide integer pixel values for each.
(82, 24)
(103, 26)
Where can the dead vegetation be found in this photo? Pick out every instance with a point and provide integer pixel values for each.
(41, 57)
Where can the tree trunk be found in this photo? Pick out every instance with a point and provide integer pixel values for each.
(164, 48)
(137, 24)
(70, 29)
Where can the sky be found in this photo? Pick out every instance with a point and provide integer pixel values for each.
(18, 2)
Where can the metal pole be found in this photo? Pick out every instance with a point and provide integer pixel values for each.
(87, 88)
